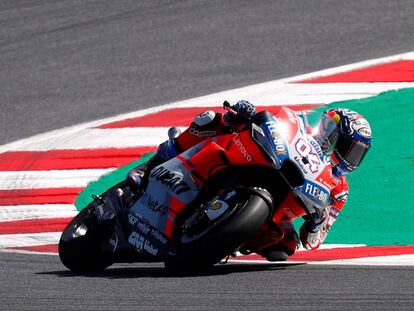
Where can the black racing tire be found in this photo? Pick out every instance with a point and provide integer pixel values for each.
(252, 210)
(83, 253)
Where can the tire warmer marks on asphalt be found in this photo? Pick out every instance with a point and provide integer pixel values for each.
(41, 177)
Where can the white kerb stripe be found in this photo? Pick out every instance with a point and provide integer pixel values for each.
(276, 93)
(49, 179)
(30, 239)
(332, 246)
(22, 212)
(101, 138)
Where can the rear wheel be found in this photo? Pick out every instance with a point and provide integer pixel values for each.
(217, 229)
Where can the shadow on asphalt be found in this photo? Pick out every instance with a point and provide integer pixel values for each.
(160, 272)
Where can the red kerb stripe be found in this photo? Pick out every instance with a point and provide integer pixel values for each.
(399, 71)
(70, 159)
(34, 225)
(51, 248)
(351, 253)
(182, 116)
(343, 253)
(39, 196)
(373, 252)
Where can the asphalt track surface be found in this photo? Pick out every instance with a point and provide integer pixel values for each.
(66, 62)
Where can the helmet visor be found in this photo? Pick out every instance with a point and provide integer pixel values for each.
(351, 151)
(328, 132)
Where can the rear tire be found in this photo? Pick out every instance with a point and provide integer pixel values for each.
(251, 209)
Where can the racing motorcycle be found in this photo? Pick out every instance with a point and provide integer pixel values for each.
(206, 203)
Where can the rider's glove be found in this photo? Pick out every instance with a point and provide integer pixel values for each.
(313, 233)
(167, 150)
(244, 111)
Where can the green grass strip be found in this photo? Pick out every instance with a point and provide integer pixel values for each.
(380, 208)
(107, 181)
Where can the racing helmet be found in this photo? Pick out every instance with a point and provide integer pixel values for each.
(345, 136)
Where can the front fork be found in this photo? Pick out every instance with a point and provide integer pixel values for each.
(111, 214)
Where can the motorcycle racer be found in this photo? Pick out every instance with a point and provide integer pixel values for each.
(344, 137)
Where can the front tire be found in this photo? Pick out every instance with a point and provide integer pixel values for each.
(80, 246)
(223, 236)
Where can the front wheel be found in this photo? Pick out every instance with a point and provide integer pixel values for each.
(80, 246)
(217, 229)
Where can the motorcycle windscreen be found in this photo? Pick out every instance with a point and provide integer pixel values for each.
(271, 143)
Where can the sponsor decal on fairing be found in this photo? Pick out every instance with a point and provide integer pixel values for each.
(273, 128)
(153, 204)
(315, 192)
(142, 244)
(198, 133)
(242, 148)
(170, 179)
(145, 237)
